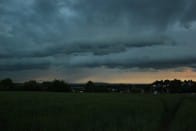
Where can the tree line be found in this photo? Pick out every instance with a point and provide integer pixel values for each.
(162, 86)
(32, 85)
(174, 86)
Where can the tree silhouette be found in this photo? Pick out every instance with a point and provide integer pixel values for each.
(6, 83)
(58, 85)
(32, 85)
(89, 87)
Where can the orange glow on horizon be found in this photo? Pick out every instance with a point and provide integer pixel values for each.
(119, 76)
(143, 77)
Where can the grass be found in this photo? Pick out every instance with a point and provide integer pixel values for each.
(37, 111)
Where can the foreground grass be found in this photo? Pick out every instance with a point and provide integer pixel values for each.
(33, 111)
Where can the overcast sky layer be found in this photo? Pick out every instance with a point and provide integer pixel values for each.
(102, 40)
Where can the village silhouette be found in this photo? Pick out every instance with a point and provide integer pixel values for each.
(157, 87)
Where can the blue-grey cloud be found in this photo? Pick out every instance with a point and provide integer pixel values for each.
(39, 34)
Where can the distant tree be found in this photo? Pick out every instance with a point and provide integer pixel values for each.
(31, 85)
(89, 87)
(46, 85)
(6, 83)
(175, 86)
(58, 85)
(158, 86)
(167, 83)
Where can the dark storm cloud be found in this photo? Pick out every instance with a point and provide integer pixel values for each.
(12, 64)
(99, 47)
(157, 58)
(158, 13)
(22, 66)
(96, 33)
(108, 46)
(46, 7)
(189, 15)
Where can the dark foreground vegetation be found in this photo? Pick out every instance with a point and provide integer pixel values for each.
(167, 86)
(45, 111)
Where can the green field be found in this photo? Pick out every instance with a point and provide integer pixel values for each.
(37, 111)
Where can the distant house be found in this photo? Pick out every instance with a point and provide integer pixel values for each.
(77, 88)
(158, 87)
(141, 88)
(155, 92)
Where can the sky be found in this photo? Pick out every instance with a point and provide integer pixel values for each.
(115, 41)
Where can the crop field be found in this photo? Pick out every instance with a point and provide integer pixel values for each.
(46, 111)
